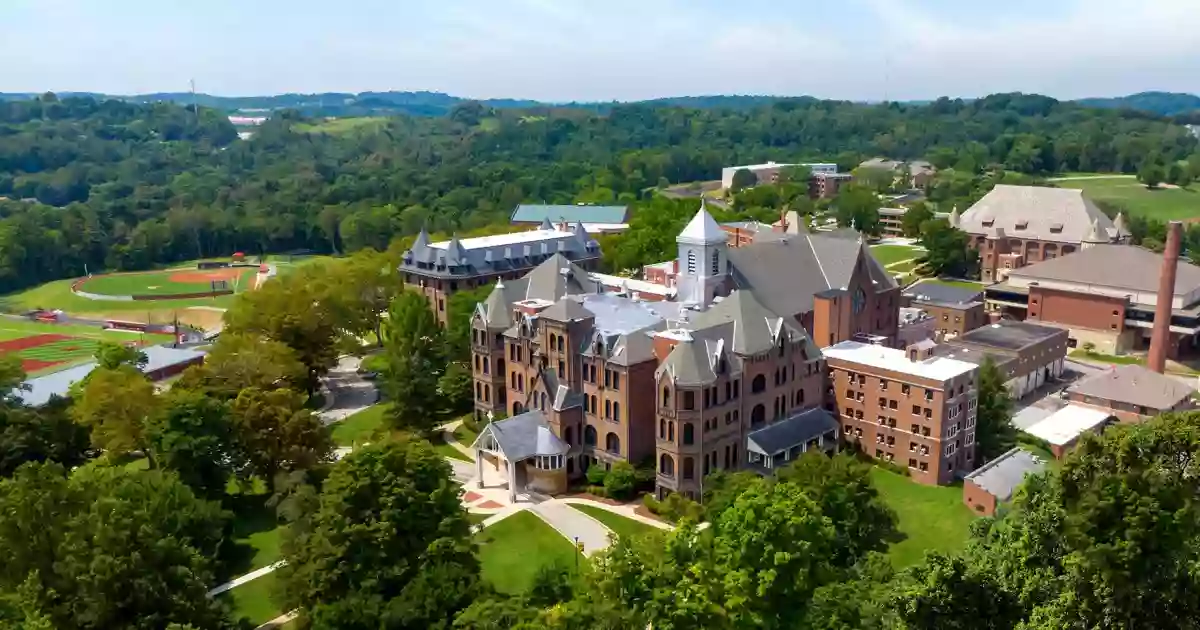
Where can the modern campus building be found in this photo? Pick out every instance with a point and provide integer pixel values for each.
(1104, 295)
(1028, 355)
(906, 406)
(438, 270)
(920, 173)
(595, 219)
(1016, 226)
(768, 173)
(724, 372)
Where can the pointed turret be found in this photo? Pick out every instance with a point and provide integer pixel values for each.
(702, 229)
(546, 224)
(496, 309)
(455, 254)
(953, 218)
(422, 239)
(1119, 229)
(1095, 235)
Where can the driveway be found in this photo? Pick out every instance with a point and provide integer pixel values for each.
(349, 393)
(574, 525)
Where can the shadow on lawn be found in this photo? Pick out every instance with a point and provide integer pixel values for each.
(251, 515)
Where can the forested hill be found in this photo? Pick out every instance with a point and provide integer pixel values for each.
(118, 185)
(1165, 103)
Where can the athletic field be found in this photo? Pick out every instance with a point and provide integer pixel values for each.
(170, 282)
(45, 348)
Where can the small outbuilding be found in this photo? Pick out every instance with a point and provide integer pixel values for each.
(1062, 428)
(994, 482)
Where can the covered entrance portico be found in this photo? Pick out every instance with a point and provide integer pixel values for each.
(521, 452)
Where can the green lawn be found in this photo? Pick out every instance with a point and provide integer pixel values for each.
(512, 551)
(1161, 203)
(52, 355)
(931, 518)
(960, 284)
(903, 267)
(360, 427)
(620, 525)
(160, 283)
(257, 534)
(57, 295)
(1106, 358)
(338, 126)
(888, 254)
(254, 600)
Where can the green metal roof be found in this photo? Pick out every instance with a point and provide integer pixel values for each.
(536, 213)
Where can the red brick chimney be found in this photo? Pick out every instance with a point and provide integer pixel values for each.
(1160, 335)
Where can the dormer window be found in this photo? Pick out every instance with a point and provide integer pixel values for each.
(1022, 224)
(1056, 228)
(989, 222)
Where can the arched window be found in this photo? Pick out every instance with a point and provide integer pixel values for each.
(758, 415)
(662, 429)
(616, 412)
(689, 433)
(594, 407)
(569, 436)
(487, 393)
(758, 384)
(589, 436)
(517, 409)
(689, 468)
(691, 262)
(478, 391)
(666, 465)
(477, 368)
(561, 343)
(485, 365)
(716, 262)
(671, 431)
(800, 398)
(666, 399)
(612, 443)
(514, 380)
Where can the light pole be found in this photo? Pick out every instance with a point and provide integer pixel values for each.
(576, 555)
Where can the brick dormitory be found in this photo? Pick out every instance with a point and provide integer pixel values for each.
(712, 361)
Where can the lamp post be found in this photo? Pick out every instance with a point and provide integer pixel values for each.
(577, 550)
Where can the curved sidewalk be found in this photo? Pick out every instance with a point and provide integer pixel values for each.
(574, 525)
(628, 511)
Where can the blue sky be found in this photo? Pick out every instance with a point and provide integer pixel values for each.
(561, 50)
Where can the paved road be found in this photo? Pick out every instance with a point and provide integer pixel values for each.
(1079, 177)
(349, 392)
(573, 524)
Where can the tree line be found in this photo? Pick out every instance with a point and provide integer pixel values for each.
(120, 186)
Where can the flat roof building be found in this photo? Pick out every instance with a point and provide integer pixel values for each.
(996, 481)
(768, 172)
(907, 406)
(161, 362)
(1028, 354)
(595, 219)
(1062, 428)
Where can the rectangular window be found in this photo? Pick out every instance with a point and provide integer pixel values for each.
(882, 403)
(607, 409)
(912, 447)
(916, 410)
(916, 428)
(892, 404)
(689, 400)
(736, 389)
(607, 378)
(561, 369)
(904, 389)
(850, 394)
(912, 463)
(923, 466)
(883, 384)
(616, 380)
(707, 399)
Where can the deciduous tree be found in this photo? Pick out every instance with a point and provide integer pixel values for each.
(44, 434)
(239, 361)
(994, 432)
(116, 404)
(743, 178)
(193, 436)
(388, 545)
(276, 434)
(914, 218)
(858, 207)
(948, 250)
(114, 355)
(414, 364)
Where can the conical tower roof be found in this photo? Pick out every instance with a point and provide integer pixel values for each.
(1094, 234)
(1119, 225)
(953, 218)
(546, 224)
(702, 229)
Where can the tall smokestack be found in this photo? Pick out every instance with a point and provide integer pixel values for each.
(1160, 335)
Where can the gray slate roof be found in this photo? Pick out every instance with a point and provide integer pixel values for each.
(785, 274)
(798, 429)
(1003, 475)
(933, 291)
(536, 213)
(524, 436)
(1134, 385)
(1116, 266)
(1041, 209)
(496, 254)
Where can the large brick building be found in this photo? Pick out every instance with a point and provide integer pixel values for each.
(1104, 295)
(1015, 226)
(438, 270)
(906, 406)
(1027, 354)
(724, 375)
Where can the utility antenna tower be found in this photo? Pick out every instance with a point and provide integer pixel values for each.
(195, 103)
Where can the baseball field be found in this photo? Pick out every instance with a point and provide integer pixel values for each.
(185, 282)
(45, 347)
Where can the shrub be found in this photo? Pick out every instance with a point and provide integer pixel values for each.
(620, 481)
(675, 507)
(598, 491)
(596, 474)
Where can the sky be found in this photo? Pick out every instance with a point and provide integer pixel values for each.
(599, 50)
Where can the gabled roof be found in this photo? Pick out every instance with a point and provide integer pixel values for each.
(556, 277)
(566, 310)
(702, 229)
(1116, 266)
(1064, 215)
(785, 274)
(536, 212)
(521, 437)
(747, 324)
(934, 291)
(780, 436)
(1135, 385)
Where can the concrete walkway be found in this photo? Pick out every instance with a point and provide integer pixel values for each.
(574, 525)
(448, 435)
(279, 621)
(349, 393)
(628, 511)
(1080, 177)
(238, 581)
